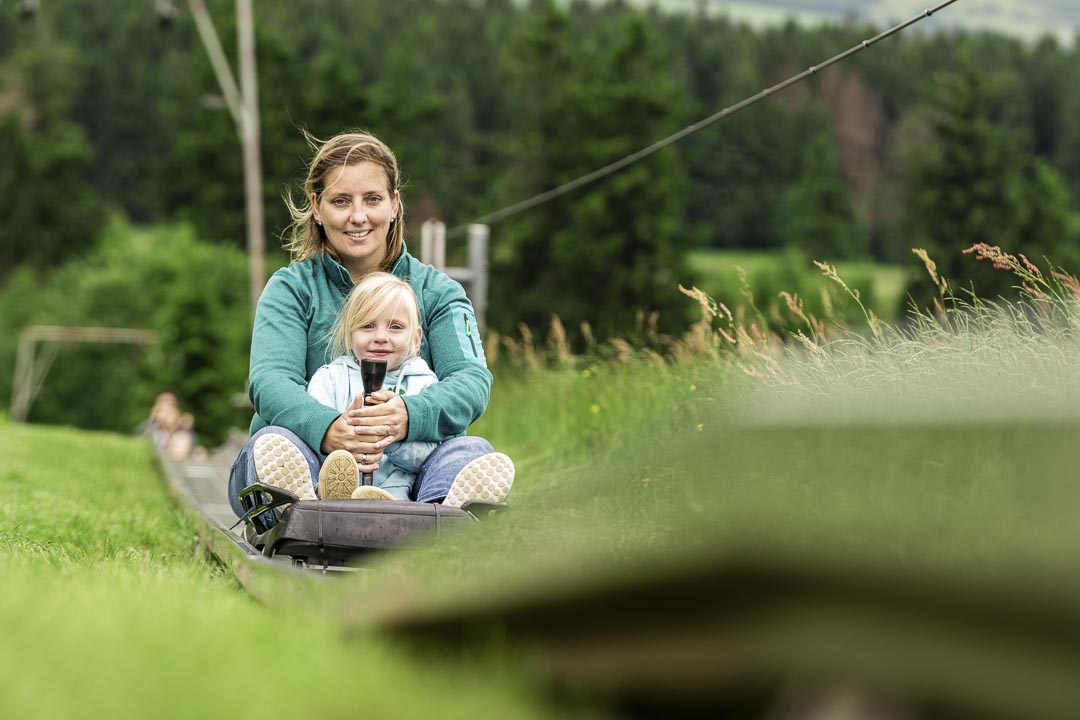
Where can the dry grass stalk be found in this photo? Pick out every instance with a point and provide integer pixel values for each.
(829, 271)
(651, 325)
(744, 284)
(827, 303)
(1069, 282)
(795, 307)
(513, 350)
(623, 351)
(588, 337)
(530, 358)
(492, 343)
(556, 342)
(994, 254)
(931, 269)
(710, 309)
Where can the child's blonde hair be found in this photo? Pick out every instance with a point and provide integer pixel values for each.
(375, 294)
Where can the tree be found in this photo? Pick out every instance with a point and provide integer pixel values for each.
(608, 251)
(1067, 154)
(50, 208)
(192, 294)
(816, 215)
(739, 166)
(974, 183)
(858, 129)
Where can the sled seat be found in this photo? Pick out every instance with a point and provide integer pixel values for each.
(333, 532)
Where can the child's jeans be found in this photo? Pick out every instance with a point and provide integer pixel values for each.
(432, 482)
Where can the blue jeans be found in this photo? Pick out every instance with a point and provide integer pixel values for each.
(433, 481)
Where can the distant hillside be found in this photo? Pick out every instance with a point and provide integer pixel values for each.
(1027, 19)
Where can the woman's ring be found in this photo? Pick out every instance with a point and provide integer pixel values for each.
(363, 458)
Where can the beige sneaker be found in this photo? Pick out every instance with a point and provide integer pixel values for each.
(486, 479)
(370, 492)
(280, 463)
(338, 477)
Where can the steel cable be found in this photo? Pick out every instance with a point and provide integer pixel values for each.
(617, 165)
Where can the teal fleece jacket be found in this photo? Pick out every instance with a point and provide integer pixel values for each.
(289, 342)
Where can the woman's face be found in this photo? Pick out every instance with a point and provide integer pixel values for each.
(355, 211)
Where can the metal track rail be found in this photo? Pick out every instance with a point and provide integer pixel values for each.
(199, 488)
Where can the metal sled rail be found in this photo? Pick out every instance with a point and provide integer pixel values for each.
(198, 488)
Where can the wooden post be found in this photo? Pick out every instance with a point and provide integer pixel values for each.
(30, 370)
(474, 276)
(478, 267)
(23, 380)
(433, 243)
(250, 135)
(243, 103)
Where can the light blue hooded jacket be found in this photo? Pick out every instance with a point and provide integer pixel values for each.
(337, 384)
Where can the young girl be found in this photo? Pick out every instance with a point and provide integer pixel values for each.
(381, 321)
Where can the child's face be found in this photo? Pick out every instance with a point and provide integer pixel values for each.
(386, 337)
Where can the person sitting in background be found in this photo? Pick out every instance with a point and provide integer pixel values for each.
(181, 444)
(171, 430)
(163, 416)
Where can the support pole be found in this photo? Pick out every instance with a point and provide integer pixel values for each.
(474, 276)
(478, 267)
(250, 137)
(433, 243)
(243, 103)
(30, 369)
(218, 61)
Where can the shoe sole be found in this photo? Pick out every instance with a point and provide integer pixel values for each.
(338, 477)
(370, 492)
(280, 463)
(486, 479)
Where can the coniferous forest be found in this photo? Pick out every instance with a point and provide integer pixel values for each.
(110, 116)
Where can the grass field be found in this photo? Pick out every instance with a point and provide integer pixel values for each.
(887, 281)
(941, 456)
(106, 613)
(768, 273)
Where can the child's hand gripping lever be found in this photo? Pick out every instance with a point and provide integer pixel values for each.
(373, 372)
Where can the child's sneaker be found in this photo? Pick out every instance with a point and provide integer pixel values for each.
(338, 477)
(486, 479)
(370, 492)
(280, 463)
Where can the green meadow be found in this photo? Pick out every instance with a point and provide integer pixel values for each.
(881, 286)
(106, 612)
(939, 455)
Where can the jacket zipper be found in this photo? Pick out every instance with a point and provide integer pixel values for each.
(468, 334)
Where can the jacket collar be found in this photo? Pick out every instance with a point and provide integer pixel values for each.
(340, 277)
(335, 272)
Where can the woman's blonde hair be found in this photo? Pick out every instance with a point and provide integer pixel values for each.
(376, 294)
(307, 237)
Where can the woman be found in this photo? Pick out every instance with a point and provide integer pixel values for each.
(350, 223)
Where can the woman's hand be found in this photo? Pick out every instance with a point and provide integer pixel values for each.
(383, 420)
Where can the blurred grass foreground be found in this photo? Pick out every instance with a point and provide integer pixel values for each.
(893, 511)
(750, 528)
